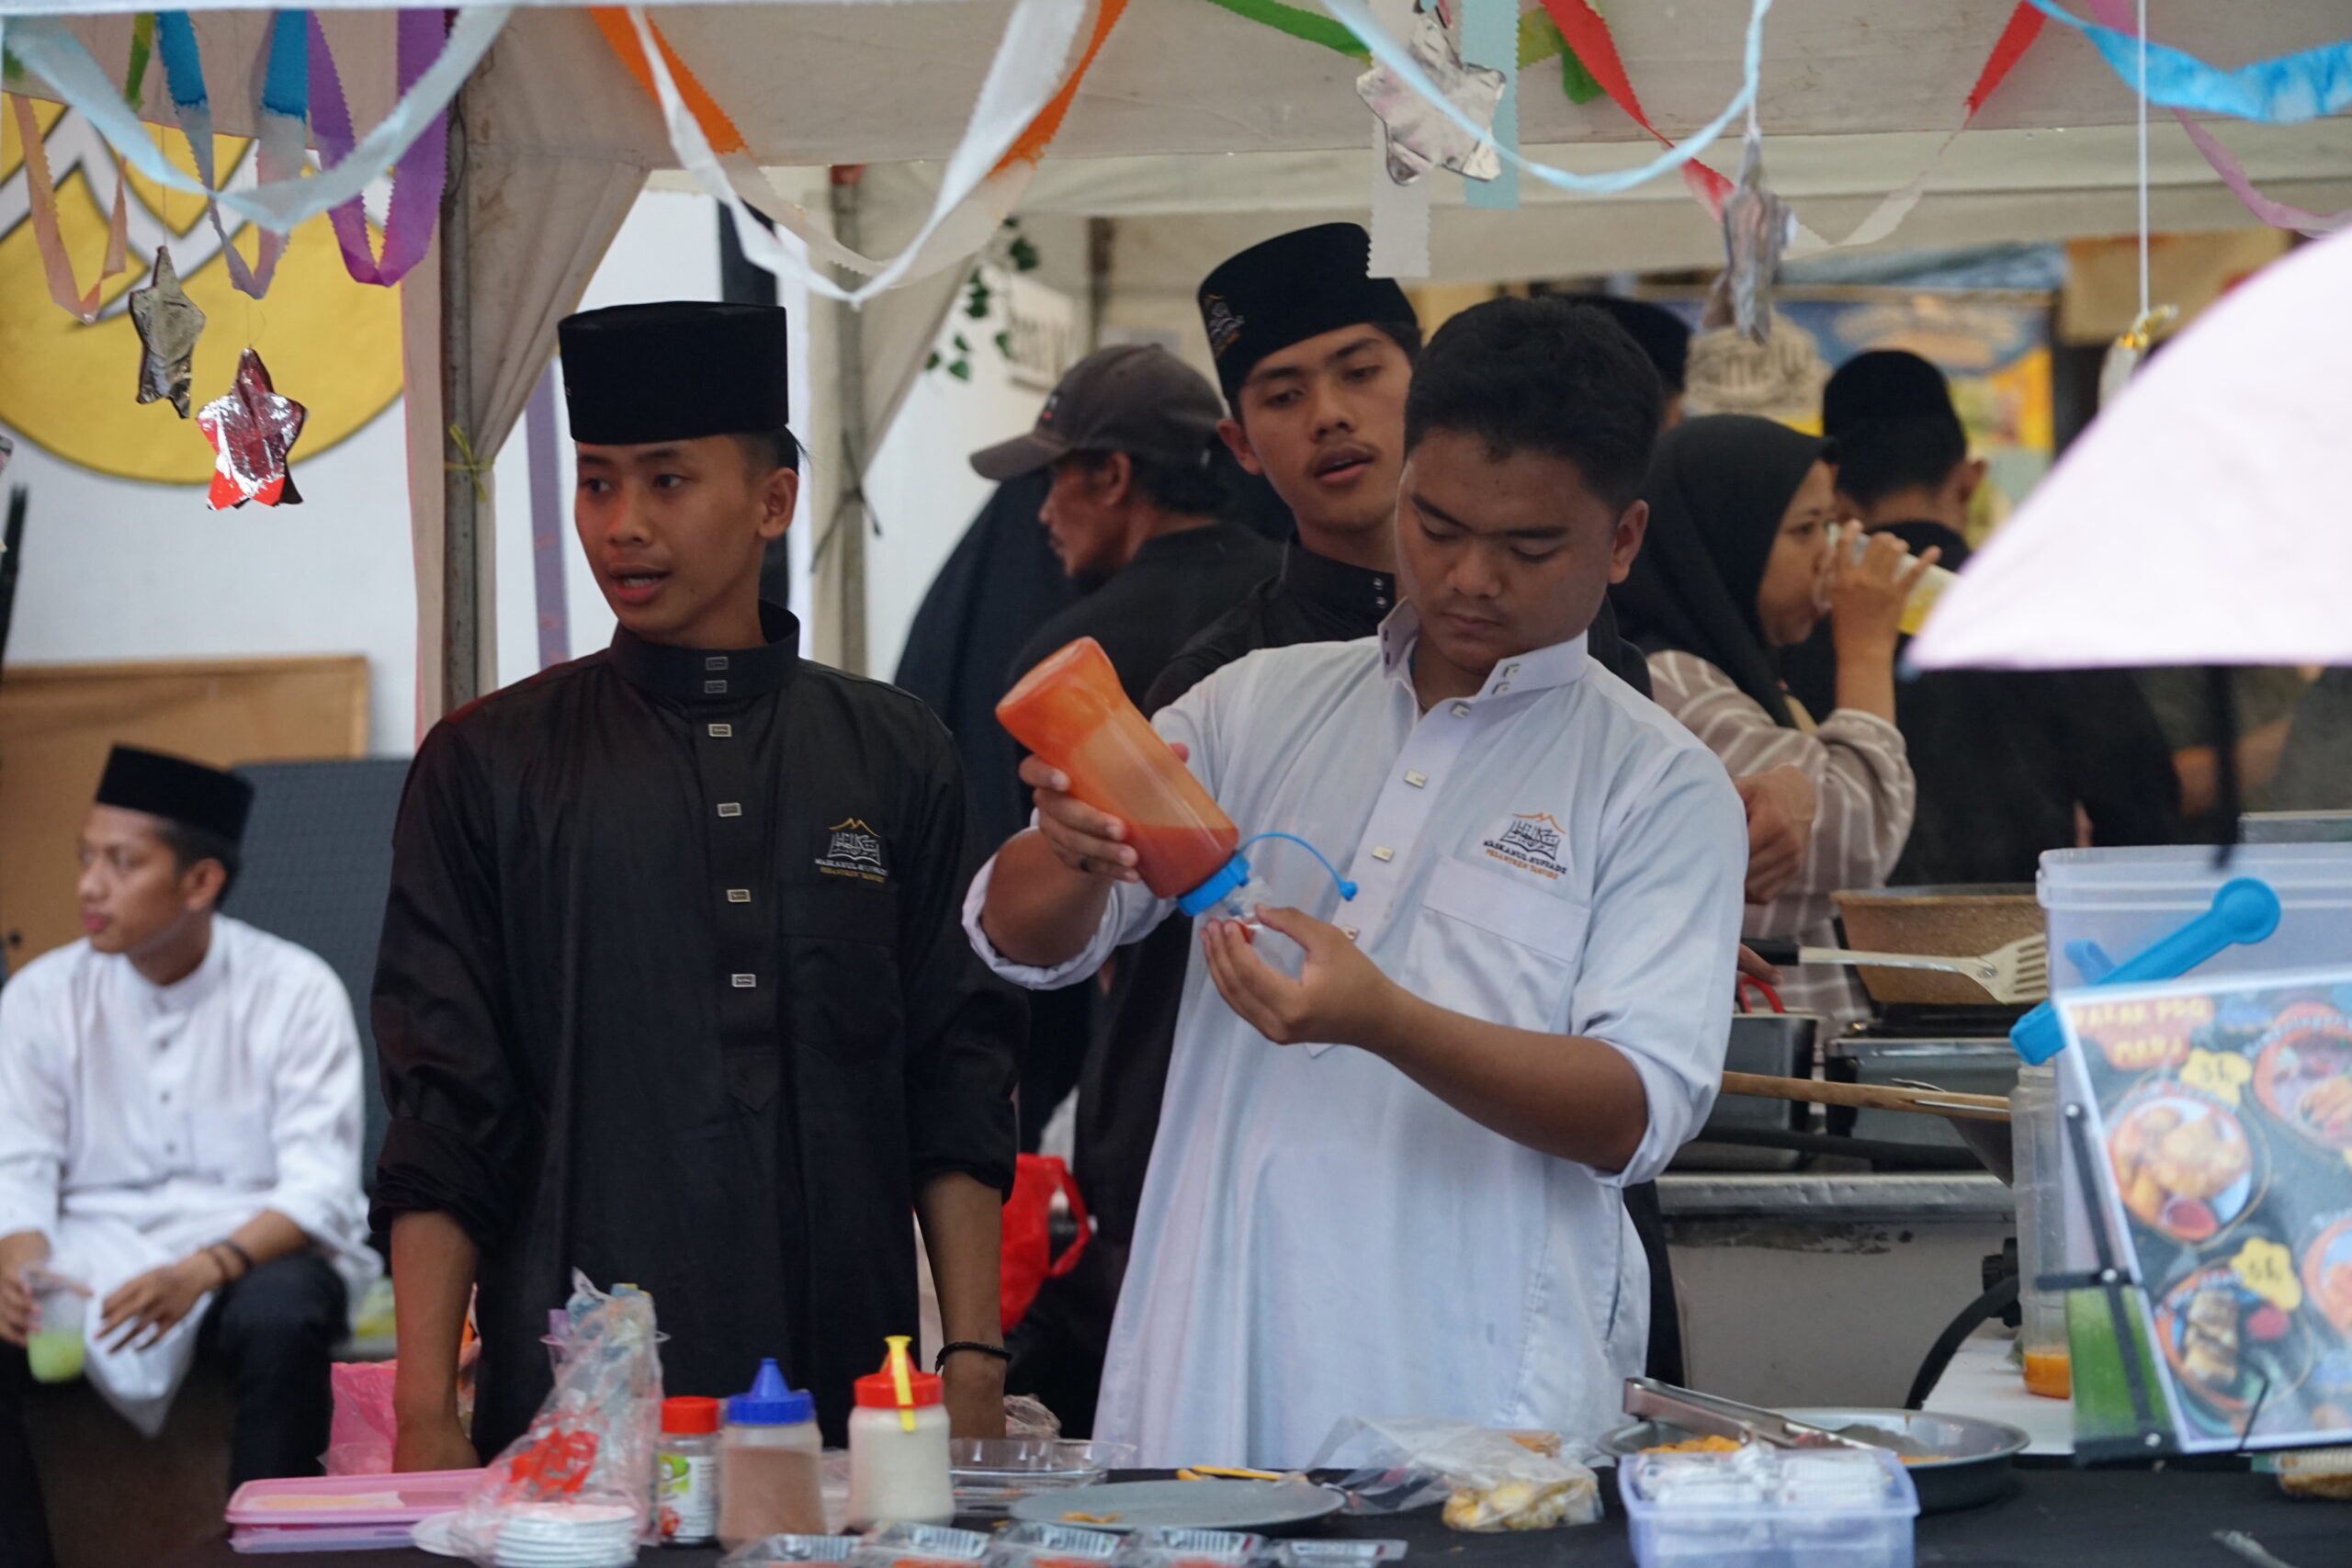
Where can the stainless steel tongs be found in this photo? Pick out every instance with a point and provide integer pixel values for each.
(1711, 1416)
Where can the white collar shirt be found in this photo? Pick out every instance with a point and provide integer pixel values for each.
(1321, 1237)
(139, 1122)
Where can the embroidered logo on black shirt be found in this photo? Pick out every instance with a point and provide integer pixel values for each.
(1531, 842)
(852, 849)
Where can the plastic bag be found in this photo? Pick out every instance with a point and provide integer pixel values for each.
(1488, 1480)
(360, 1441)
(580, 1480)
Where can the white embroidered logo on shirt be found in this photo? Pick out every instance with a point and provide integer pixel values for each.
(853, 850)
(1531, 842)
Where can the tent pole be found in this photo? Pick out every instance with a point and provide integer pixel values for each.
(848, 531)
(461, 560)
(1101, 237)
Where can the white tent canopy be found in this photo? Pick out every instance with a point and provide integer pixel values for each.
(1197, 110)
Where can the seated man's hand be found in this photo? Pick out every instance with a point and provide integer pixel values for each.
(436, 1444)
(1781, 806)
(16, 1308)
(146, 1308)
(1090, 842)
(1340, 997)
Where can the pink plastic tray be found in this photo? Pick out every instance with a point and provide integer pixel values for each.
(351, 1499)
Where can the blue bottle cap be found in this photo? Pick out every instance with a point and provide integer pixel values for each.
(769, 1403)
(1234, 873)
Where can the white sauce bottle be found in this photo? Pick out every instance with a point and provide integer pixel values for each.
(897, 1448)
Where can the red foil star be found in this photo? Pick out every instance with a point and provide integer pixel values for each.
(251, 429)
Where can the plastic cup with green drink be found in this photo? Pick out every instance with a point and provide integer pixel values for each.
(60, 1307)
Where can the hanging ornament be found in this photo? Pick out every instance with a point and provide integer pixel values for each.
(1758, 226)
(168, 324)
(1417, 135)
(2124, 354)
(251, 428)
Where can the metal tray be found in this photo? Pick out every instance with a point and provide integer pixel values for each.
(1124, 1506)
(1971, 1462)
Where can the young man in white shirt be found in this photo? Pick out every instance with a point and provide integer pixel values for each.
(180, 1121)
(1532, 983)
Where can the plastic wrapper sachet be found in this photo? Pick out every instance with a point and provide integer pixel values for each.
(1488, 1480)
(589, 1451)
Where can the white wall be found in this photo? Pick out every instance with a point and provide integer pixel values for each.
(117, 570)
(921, 483)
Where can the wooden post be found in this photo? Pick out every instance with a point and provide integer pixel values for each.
(847, 534)
(461, 617)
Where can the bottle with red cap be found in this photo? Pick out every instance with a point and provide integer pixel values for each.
(897, 1447)
(685, 1470)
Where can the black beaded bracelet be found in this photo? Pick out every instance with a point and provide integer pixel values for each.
(243, 1257)
(939, 1362)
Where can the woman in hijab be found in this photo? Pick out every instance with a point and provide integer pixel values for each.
(1737, 565)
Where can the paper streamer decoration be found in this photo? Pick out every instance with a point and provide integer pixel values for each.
(2284, 90)
(2117, 15)
(41, 194)
(279, 129)
(1386, 50)
(1490, 38)
(1298, 23)
(1596, 48)
(43, 44)
(418, 178)
(1400, 213)
(983, 179)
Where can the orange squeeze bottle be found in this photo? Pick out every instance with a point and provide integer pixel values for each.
(1071, 712)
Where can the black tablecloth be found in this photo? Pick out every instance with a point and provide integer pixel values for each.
(2076, 1519)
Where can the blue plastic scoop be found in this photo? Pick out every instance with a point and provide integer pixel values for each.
(2244, 911)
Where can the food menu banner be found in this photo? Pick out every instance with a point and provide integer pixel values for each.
(2222, 1117)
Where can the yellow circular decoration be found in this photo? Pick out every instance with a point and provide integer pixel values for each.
(330, 344)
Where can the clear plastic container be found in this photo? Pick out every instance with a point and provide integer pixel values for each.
(1924, 593)
(2042, 1231)
(2122, 900)
(1764, 1508)
(1072, 710)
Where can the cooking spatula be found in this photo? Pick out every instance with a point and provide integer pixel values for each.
(2019, 972)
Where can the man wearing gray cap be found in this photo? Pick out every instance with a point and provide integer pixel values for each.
(1133, 509)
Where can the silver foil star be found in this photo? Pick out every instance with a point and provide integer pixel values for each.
(168, 324)
(1758, 226)
(1417, 134)
(251, 426)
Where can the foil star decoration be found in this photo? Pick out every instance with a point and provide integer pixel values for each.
(168, 324)
(1418, 136)
(251, 428)
(1758, 226)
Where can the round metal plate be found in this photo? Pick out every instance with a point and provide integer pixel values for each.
(1967, 1460)
(1184, 1504)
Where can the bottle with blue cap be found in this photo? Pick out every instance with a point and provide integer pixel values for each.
(769, 1456)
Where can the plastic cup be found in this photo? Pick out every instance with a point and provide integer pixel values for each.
(55, 1345)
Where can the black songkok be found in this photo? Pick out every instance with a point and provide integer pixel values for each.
(1664, 336)
(178, 789)
(1293, 288)
(674, 372)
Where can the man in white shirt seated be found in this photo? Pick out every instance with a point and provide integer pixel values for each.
(1410, 1209)
(180, 1122)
